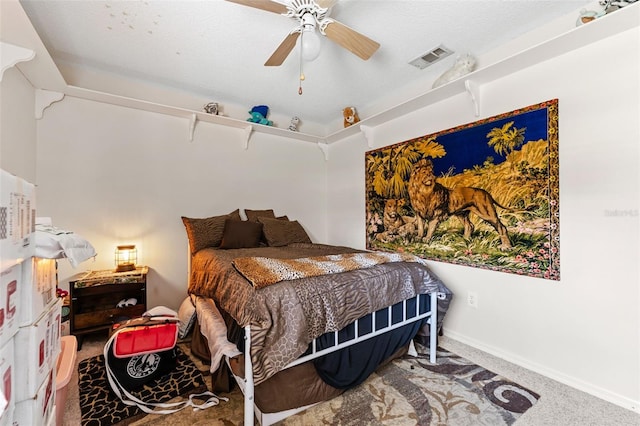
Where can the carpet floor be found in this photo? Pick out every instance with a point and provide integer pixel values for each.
(100, 406)
(393, 397)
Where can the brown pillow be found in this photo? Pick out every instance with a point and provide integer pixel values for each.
(241, 234)
(285, 217)
(206, 232)
(253, 215)
(281, 232)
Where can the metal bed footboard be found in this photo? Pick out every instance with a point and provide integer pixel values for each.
(247, 384)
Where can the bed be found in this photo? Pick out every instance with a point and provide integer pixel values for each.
(311, 320)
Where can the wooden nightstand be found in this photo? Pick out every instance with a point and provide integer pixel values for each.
(95, 296)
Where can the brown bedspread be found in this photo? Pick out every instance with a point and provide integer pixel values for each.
(286, 316)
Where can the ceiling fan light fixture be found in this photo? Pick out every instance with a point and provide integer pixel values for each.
(311, 44)
(310, 40)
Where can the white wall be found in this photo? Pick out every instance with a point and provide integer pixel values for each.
(584, 329)
(117, 175)
(18, 129)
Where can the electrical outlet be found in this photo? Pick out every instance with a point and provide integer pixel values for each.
(472, 299)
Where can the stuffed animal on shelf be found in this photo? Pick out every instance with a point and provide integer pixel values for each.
(259, 115)
(463, 65)
(211, 108)
(295, 121)
(350, 116)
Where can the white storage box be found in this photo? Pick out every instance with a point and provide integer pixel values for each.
(10, 286)
(6, 419)
(54, 416)
(17, 219)
(38, 290)
(37, 347)
(40, 409)
(7, 382)
(65, 328)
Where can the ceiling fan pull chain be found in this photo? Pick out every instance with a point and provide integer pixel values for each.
(301, 77)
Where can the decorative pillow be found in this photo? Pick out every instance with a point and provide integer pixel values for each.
(281, 232)
(206, 232)
(285, 217)
(253, 215)
(241, 234)
(187, 316)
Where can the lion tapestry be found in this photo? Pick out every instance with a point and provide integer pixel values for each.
(483, 194)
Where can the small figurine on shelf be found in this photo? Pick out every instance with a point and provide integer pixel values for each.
(259, 115)
(613, 5)
(211, 108)
(350, 116)
(585, 16)
(463, 65)
(295, 121)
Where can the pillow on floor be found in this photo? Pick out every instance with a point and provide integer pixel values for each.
(187, 316)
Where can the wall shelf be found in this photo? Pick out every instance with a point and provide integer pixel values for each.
(609, 25)
(193, 117)
(11, 55)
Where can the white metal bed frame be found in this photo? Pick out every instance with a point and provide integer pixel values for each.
(246, 384)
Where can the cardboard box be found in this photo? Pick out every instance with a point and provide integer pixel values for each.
(6, 418)
(37, 347)
(10, 286)
(38, 289)
(40, 409)
(53, 421)
(7, 382)
(17, 219)
(65, 328)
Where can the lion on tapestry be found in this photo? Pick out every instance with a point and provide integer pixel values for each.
(396, 225)
(434, 203)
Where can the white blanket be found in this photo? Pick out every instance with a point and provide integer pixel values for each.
(214, 329)
(56, 243)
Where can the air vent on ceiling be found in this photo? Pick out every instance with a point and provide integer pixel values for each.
(431, 57)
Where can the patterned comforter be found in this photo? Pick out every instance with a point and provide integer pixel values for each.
(286, 316)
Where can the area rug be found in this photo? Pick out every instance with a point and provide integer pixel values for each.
(409, 391)
(99, 406)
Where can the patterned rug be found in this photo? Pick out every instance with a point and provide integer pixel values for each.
(99, 406)
(409, 391)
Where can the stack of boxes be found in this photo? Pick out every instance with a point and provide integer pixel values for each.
(29, 312)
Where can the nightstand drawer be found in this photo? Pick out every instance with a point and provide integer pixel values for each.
(106, 317)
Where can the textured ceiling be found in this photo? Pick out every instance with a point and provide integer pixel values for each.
(216, 49)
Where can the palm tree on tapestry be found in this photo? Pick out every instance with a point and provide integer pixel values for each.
(388, 170)
(505, 139)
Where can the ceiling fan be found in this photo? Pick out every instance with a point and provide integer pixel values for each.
(312, 15)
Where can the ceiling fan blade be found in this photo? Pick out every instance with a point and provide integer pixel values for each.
(281, 53)
(351, 40)
(326, 4)
(268, 5)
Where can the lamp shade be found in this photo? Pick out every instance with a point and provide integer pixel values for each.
(126, 258)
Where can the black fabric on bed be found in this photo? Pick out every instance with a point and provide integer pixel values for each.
(352, 365)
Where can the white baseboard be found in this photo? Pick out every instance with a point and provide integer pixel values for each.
(558, 376)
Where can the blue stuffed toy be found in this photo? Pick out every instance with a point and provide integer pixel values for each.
(259, 115)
